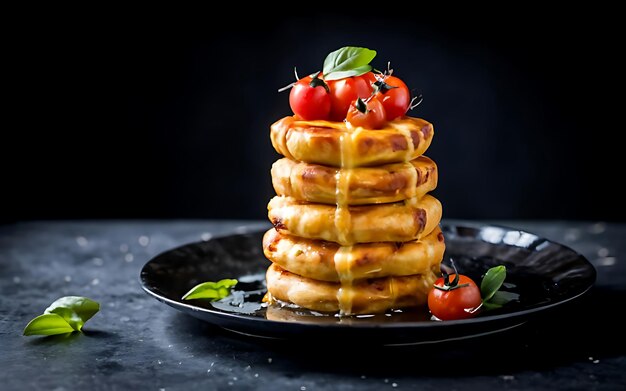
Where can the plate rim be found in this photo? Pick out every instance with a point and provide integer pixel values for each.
(365, 325)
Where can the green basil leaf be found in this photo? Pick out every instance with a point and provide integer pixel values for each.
(75, 310)
(503, 297)
(499, 299)
(211, 290)
(492, 282)
(48, 324)
(352, 72)
(487, 306)
(347, 61)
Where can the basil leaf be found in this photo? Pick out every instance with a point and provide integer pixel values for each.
(347, 61)
(75, 310)
(492, 282)
(503, 297)
(499, 299)
(48, 324)
(352, 72)
(487, 306)
(211, 290)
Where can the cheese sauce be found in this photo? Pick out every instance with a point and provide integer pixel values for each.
(343, 222)
(343, 258)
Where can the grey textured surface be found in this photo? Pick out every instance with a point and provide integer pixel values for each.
(136, 342)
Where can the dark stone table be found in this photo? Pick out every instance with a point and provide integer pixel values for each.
(136, 342)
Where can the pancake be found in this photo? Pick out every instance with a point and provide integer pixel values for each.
(366, 185)
(327, 143)
(364, 296)
(396, 222)
(327, 261)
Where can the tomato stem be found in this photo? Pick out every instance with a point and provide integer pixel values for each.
(450, 285)
(360, 105)
(416, 101)
(382, 87)
(317, 82)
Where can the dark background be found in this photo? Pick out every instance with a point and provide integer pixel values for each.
(164, 118)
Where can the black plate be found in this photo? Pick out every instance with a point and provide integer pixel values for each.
(543, 273)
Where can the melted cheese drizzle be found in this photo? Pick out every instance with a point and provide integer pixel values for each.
(343, 258)
(403, 129)
(343, 221)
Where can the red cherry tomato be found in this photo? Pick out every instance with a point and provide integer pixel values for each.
(370, 115)
(310, 99)
(395, 100)
(345, 91)
(449, 302)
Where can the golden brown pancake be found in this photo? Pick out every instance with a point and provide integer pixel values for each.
(320, 142)
(327, 261)
(362, 297)
(396, 222)
(365, 185)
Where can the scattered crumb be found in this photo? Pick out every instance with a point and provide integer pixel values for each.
(597, 228)
(143, 240)
(82, 241)
(608, 261)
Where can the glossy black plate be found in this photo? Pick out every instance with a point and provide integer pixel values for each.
(544, 274)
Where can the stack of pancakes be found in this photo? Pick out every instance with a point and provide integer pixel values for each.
(355, 230)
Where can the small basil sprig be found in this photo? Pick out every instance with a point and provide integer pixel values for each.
(348, 61)
(489, 289)
(65, 315)
(211, 290)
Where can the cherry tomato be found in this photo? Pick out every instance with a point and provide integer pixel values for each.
(345, 91)
(370, 115)
(310, 99)
(454, 301)
(396, 97)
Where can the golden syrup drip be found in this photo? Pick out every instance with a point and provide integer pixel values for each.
(412, 188)
(405, 130)
(412, 202)
(343, 222)
(343, 264)
(321, 124)
(393, 292)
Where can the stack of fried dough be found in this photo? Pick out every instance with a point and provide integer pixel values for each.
(355, 230)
